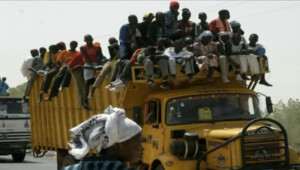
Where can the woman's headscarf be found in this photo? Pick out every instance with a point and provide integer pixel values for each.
(102, 131)
(204, 34)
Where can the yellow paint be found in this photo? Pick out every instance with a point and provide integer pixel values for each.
(51, 120)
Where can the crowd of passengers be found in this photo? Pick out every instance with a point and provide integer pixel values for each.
(165, 41)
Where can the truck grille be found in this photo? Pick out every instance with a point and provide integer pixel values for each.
(264, 147)
(14, 136)
(264, 151)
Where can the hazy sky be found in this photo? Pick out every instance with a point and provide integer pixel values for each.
(32, 24)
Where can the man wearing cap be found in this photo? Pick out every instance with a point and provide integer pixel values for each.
(171, 20)
(188, 27)
(143, 27)
(220, 24)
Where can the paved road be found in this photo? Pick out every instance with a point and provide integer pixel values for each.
(30, 163)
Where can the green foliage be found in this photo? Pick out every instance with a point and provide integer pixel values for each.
(17, 91)
(289, 115)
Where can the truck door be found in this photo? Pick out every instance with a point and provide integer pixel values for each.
(152, 130)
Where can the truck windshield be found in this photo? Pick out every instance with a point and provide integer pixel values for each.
(14, 107)
(211, 108)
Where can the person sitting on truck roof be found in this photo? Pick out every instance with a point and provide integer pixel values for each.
(147, 58)
(92, 56)
(4, 87)
(240, 54)
(51, 69)
(143, 27)
(187, 26)
(27, 63)
(171, 18)
(259, 51)
(206, 52)
(176, 54)
(61, 46)
(113, 136)
(202, 25)
(162, 61)
(75, 68)
(224, 58)
(130, 37)
(156, 28)
(236, 28)
(114, 53)
(122, 72)
(221, 23)
(63, 74)
(36, 66)
(189, 46)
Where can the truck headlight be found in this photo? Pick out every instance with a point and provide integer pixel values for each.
(186, 149)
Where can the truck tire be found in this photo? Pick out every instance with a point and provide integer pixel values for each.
(160, 167)
(69, 160)
(18, 157)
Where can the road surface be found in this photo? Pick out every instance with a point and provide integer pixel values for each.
(30, 163)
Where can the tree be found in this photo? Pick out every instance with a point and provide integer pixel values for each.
(289, 116)
(17, 91)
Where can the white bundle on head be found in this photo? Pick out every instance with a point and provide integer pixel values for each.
(102, 131)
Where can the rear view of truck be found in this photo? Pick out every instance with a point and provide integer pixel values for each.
(14, 128)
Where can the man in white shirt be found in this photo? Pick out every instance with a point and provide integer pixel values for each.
(177, 55)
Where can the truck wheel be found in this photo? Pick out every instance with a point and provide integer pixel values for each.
(69, 160)
(160, 167)
(18, 157)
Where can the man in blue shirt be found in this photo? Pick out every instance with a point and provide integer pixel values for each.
(3, 87)
(129, 37)
(259, 51)
(171, 20)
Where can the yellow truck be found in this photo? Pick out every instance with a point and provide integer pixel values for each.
(196, 126)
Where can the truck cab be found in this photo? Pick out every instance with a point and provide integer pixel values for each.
(14, 127)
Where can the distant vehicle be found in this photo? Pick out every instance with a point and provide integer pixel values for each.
(14, 128)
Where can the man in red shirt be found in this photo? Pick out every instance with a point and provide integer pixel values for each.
(188, 27)
(220, 24)
(63, 74)
(75, 68)
(92, 56)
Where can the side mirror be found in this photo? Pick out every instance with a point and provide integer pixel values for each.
(137, 115)
(269, 105)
